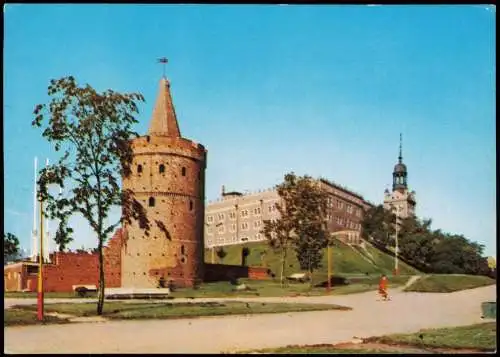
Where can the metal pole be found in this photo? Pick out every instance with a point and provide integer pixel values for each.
(397, 247)
(329, 269)
(40, 269)
(34, 250)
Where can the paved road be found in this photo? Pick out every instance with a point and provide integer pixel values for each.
(407, 312)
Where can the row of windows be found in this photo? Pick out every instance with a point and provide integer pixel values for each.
(234, 239)
(161, 169)
(243, 213)
(244, 226)
(340, 205)
(152, 202)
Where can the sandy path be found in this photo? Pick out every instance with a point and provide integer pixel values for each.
(407, 312)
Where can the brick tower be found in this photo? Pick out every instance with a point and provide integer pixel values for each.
(168, 178)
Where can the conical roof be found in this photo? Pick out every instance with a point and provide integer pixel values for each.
(164, 121)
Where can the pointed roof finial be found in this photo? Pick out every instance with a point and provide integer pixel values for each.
(164, 120)
(400, 148)
(164, 61)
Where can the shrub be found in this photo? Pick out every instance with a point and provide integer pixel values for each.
(81, 291)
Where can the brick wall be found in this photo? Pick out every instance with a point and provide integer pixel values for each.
(168, 177)
(68, 269)
(221, 272)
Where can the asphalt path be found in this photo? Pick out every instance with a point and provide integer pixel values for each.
(405, 313)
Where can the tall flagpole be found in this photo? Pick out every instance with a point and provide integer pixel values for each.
(34, 250)
(47, 232)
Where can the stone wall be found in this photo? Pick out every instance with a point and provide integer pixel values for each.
(221, 272)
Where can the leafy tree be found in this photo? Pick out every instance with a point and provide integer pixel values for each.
(63, 234)
(10, 246)
(300, 224)
(221, 254)
(245, 252)
(93, 132)
(378, 226)
(310, 225)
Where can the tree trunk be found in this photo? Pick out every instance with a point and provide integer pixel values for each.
(283, 266)
(100, 294)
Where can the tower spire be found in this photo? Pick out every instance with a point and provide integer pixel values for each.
(400, 157)
(164, 120)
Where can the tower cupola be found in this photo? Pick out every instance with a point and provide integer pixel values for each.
(400, 173)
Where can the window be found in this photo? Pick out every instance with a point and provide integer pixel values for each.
(233, 227)
(244, 213)
(190, 205)
(221, 216)
(272, 207)
(256, 211)
(183, 171)
(139, 168)
(162, 168)
(232, 215)
(257, 236)
(182, 250)
(151, 201)
(222, 229)
(257, 224)
(210, 219)
(209, 231)
(244, 226)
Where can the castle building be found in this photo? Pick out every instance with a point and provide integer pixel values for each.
(401, 201)
(237, 218)
(168, 179)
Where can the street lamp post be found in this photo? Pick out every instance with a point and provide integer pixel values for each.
(329, 287)
(40, 269)
(396, 270)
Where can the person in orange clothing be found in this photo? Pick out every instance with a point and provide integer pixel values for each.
(382, 287)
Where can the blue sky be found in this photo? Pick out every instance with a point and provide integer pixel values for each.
(319, 90)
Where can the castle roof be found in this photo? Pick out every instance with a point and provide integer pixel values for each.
(164, 121)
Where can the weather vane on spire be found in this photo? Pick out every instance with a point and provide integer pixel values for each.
(400, 147)
(163, 60)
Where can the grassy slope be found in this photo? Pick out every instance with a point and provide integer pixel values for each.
(441, 283)
(345, 260)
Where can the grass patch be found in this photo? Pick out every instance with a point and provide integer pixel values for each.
(48, 295)
(122, 310)
(272, 288)
(326, 349)
(18, 317)
(480, 336)
(443, 283)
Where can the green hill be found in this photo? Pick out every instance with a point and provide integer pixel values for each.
(346, 260)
